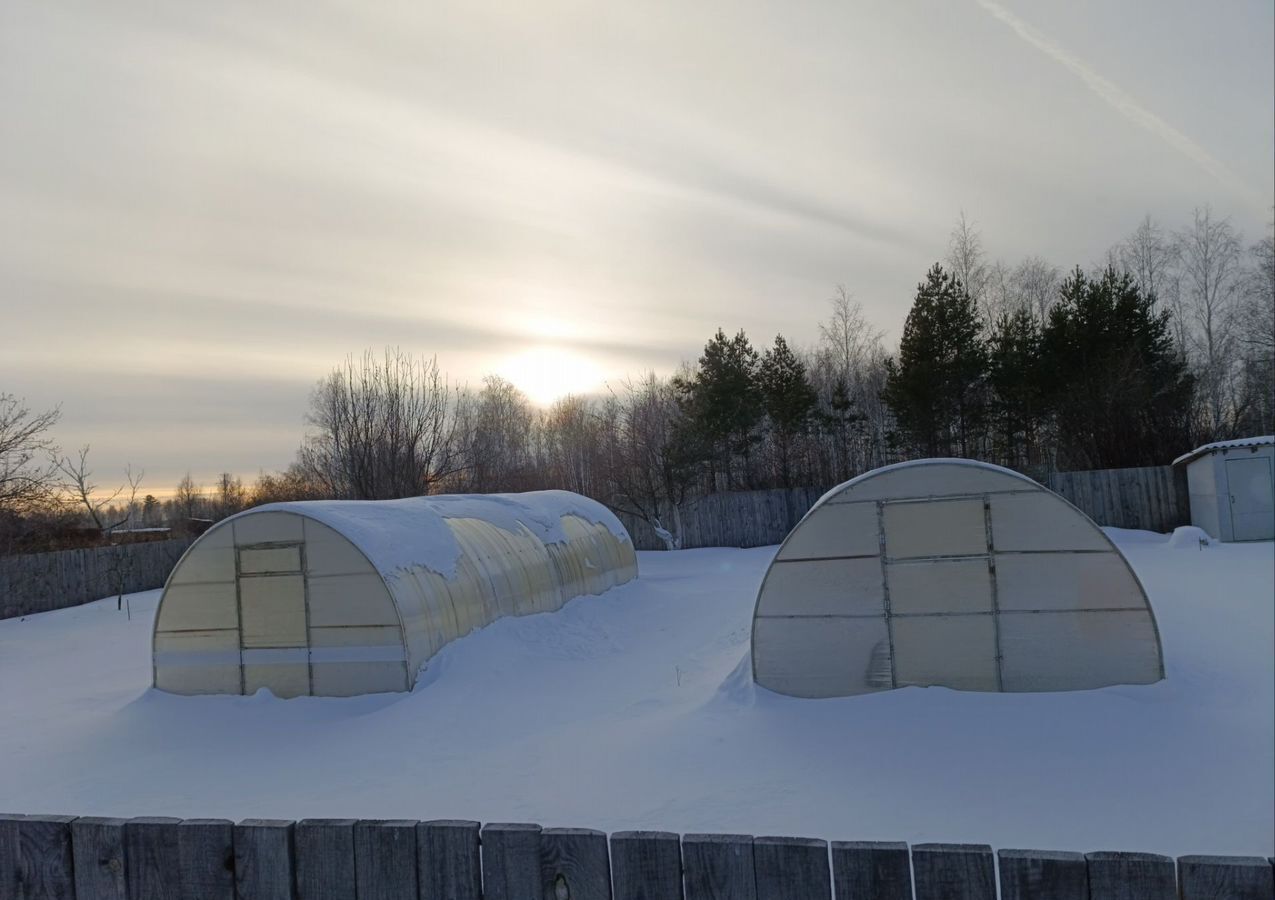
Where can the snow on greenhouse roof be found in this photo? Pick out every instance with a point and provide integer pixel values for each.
(396, 535)
(912, 463)
(1225, 445)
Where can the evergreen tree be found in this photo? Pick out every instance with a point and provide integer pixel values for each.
(1119, 391)
(935, 386)
(722, 407)
(1015, 380)
(788, 400)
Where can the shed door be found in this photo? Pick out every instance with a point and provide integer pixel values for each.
(1252, 507)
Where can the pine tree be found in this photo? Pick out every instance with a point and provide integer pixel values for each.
(1118, 390)
(935, 386)
(788, 400)
(722, 406)
(1017, 406)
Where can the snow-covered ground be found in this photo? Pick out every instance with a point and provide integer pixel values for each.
(631, 710)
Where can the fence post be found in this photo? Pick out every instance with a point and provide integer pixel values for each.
(791, 868)
(511, 861)
(152, 859)
(1040, 874)
(1131, 876)
(719, 867)
(263, 859)
(324, 851)
(575, 861)
(448, 862)
(881, 870)
(1234, 877)
(385, 859)
(954, 872)
(9, 854)
(206, 851)
(97, 851)
(646, 865)
(45, 865)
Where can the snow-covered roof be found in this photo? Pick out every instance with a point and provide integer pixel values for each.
(398, 534)
(1225, 445)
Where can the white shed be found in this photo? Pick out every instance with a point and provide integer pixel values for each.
(955, 573)
(333, 598)
(1230, 484)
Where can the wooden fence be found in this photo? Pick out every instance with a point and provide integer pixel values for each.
(731, 519)
(39, 582)
(343, 859)
(1153, 498)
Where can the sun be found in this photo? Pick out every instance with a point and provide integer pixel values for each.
(546, 373)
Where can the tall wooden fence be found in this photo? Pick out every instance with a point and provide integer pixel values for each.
(39, 582)
(343, 859)
(730, 519)
(1153, 498)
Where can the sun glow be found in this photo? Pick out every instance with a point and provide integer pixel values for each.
(545, 373)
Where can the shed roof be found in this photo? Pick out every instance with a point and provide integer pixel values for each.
(1225, 445)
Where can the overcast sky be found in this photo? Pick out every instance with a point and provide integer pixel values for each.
(205, 206)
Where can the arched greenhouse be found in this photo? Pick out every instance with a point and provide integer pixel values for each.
(955, 573)
(334, 598)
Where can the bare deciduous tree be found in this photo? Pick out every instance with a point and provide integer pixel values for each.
(1211, 262)
(649, 478)
(497, 429)
(188, 497)
(28, 470)
(105, 513)
(383, 428)
(967, 260)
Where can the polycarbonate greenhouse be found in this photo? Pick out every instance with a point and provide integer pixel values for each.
(954, 573)
(335, 598)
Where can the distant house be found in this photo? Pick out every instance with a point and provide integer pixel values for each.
(1231, 488)
(138, 535)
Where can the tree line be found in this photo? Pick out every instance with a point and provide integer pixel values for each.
(1167, 343)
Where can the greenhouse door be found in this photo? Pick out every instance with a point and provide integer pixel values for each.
(1252, 509)
(273, 618)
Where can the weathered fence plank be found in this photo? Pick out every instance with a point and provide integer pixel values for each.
(954, 872)
(9, 854)
(718, 867)
(1043, 875)
(449, 865)
(511, 861)
(385, 859)
(324, 858)
(881, 870)
(1230, 877)
(97, 852)
(1131, 876)
(46, 869)
(206, 851)
(646, 865)
(152, 858)
(574, 863)
(791, 868)
(263, 859)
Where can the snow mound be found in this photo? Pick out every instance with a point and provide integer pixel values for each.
(1188, 537)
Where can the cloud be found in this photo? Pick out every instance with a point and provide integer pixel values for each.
(1121, 101)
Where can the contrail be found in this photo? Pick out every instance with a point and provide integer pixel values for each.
(1126, 105)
